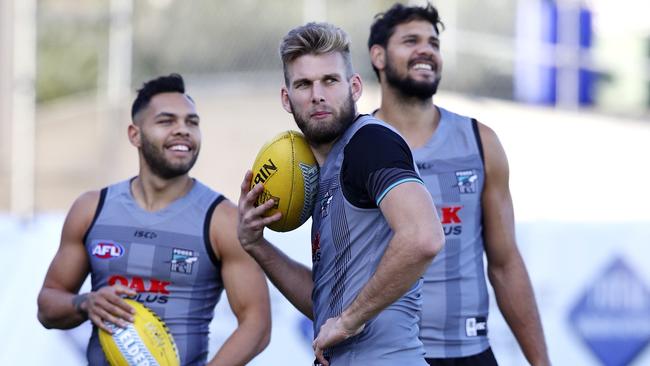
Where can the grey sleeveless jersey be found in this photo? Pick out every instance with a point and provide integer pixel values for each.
(347, 245)
(455, 309)
(165, 256)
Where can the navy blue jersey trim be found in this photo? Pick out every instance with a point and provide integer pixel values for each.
(478, 139)
(206, 230)
(479, 143)
(100, 205)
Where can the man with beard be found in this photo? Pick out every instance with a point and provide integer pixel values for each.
(465, 169)
(161, 238)
(374, 227)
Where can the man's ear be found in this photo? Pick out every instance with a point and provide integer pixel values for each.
(284, 96)
(356, 85)
(134, 133)
(378, 57)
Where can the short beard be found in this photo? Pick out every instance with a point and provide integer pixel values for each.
(161, 167)
(317, 134)
(421, 90)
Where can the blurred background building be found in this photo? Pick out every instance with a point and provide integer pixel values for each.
(565, 83)
(70, 65)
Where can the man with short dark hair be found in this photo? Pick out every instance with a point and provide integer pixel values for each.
(465, 169)
(161, 238)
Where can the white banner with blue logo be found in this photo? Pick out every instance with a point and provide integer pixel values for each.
(591, 281)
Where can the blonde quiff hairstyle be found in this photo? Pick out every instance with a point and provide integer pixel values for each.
(315, 39)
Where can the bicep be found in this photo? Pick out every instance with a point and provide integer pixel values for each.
(498, 213)
(243, 279)
(70, 266)
(408, 207)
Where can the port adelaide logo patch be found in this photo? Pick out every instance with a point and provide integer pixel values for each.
(183, 260)
(467, 181)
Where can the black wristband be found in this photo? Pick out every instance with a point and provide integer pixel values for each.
(76, 302)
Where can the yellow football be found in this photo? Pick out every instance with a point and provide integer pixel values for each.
(146, 341)
(288, 169)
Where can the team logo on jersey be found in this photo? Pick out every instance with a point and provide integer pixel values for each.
(466, 181)
(183, 260)
(107, 250)
(475, 327)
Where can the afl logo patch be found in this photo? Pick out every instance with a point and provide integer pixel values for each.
(107, 250)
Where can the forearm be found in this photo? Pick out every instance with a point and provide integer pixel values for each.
(59, 309)
(249, 339)
(291, 278)
(516, 301)
(400, 267)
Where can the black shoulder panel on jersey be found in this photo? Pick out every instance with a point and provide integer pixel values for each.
(374, 159)
(479, 143)
(100, 205)
(206, 230)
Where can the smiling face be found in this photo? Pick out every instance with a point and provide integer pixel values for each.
(321, 96)
(167, 135)
(411, 62)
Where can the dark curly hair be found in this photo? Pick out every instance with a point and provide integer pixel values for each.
(163, 84)
(384, 25)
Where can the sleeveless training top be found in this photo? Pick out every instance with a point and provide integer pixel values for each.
(165, 256)
(455, 309)
(347, 245)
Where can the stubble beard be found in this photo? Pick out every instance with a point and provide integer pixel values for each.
(162, 167)
(324, 133)
(409, 88)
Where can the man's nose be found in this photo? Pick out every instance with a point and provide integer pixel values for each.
(317, 93)
(425, 48)
(182, 129)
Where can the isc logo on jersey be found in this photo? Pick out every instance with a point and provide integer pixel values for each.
(107, 250)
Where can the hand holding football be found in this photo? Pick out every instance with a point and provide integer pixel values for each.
(146, 341)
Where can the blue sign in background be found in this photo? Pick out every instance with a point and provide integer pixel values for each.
(613, 316)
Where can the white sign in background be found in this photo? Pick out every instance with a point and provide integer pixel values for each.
(564, 261)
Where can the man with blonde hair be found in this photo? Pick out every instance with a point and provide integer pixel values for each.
(374, 228)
